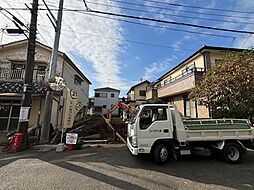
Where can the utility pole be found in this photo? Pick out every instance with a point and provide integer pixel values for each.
(28, 81)
(53, 64)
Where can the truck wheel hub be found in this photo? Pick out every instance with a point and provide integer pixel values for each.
(164, 154)
(233, 153)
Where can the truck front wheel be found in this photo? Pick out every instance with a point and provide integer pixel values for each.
(161, 154)
(232, 153)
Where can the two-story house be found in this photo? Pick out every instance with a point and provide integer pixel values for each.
(136, 95)
(104, 98)
(12, 72)
(175, 85)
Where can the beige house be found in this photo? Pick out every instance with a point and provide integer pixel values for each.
(12, 70)
(136, 95)
(175, 85)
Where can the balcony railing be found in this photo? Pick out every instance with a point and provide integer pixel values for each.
(179, 84)
(19, 75)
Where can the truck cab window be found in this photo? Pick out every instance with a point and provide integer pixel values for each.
(150, 115)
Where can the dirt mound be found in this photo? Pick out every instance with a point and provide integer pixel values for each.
(95, 128)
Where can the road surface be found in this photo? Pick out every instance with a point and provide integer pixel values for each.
(113, 167)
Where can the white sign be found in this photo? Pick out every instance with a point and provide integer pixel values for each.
(23, 114)
(71, 138)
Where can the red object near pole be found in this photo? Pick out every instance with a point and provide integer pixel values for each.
(70, 146)
(17, 141)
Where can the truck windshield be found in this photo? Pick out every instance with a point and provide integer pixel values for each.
(134, 116)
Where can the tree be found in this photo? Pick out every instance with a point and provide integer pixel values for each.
(228, 88)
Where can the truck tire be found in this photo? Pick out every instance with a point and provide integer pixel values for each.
(161, 154)
(232, 153)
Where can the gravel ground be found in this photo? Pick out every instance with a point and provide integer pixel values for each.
(113, 167)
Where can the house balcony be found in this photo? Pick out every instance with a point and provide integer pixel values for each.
(18, 75)
(180, 84)
(11, 81)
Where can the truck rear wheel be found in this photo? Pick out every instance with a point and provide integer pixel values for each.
(161, 154)
(232, 153)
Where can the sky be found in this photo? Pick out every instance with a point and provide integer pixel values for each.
(121, 52)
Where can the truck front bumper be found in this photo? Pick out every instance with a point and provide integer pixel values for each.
(133, 150)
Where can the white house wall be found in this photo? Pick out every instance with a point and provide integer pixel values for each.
(109, 101)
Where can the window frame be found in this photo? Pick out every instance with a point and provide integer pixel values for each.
(153, 113)
(142, 91)
(77, 80)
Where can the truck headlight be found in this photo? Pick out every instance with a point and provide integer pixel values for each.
(134, 141)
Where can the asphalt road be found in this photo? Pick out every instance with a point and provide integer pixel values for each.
(113, 167)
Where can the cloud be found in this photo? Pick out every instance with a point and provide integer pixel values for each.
(96, 40)
(156, 68)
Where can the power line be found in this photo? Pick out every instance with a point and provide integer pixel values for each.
(150, 25)
(156, 7)
(158, 20)
(16, 12)
(169, 22)
(168, 14)
(15, 20)
(186, 11)
(198, 7)
(151, 12)
(162, 27)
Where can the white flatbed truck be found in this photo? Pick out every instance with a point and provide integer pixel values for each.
(158, 129)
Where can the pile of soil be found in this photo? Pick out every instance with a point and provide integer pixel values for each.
(95, 128)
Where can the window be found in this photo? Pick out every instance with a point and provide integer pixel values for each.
(112, 95)
(142, 93)
(100, 95)
(189, 107)
(41, 67)
(18, 66)
(152, 114)
(18, 71)
(77, 80)
(103, 95)
(104, 106)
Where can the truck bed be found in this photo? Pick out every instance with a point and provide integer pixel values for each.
(217, 129)
(213, 124)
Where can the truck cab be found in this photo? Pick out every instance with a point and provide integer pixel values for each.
(152, 122)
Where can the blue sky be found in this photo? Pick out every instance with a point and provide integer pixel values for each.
(109, 52)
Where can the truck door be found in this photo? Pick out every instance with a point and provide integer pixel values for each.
(154, 123)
